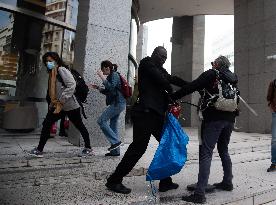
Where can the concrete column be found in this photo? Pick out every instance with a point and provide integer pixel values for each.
(142, 43)
(188, 58)
(255, 40)
(103, 31)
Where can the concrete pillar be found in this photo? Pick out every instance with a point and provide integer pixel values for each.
(188, 58)
(103, 31)
(255, 40)
(142, 43)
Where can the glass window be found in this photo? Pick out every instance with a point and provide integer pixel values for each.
(68, 47)
(8, 56)
(23, 41)
(61, 10)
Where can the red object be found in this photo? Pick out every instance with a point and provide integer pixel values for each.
(175, 109)
(53, 130)
(126, 89)
(66, 124)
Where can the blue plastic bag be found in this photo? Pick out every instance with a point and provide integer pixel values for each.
(171, 153)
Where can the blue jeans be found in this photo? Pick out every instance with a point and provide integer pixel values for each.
(273, 140)
(214, 132)
(108, 123)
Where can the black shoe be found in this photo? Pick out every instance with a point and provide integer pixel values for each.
(272, 168)
(118, 188)
(109, 154)
(223, 186)
(36, 153)
(210, 188)
(86, 152)
(195, 198)
(167, 187)
(114, 146)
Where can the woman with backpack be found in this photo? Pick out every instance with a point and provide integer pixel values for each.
(61, 88)
(116, 102)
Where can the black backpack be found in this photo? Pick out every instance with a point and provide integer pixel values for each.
(228, 97)
(81, 90)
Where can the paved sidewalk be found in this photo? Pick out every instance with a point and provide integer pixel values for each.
(63, 178)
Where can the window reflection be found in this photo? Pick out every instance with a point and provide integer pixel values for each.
(52, 38)
(10, 2)
(61, 10)
(23, 41)
(56, 9)
(68, 47)
(8, 59)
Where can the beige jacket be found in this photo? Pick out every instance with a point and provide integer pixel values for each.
(65, 93)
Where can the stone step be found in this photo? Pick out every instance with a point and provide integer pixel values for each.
(242, 153)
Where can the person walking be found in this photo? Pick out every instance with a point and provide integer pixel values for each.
(116, 102)
(216, 127)
(271, 99)
(62, 127)
(63, 103)
(148, 116)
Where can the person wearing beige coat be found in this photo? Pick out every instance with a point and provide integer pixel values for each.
(61, 88)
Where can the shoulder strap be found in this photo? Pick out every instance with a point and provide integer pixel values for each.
(59, 78)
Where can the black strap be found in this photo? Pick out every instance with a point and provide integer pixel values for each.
(189, 103)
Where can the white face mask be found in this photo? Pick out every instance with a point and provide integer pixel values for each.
(50, 65)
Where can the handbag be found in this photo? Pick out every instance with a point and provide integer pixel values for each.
(66, 123)
(171, 153)
(53, 129)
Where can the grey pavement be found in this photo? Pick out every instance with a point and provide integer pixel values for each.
(63, 178)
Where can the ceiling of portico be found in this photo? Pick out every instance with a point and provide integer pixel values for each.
(158, 9)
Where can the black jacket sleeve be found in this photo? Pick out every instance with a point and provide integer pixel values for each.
(177, 81)
(198, 84)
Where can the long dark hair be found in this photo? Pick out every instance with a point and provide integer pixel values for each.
(107, 63)
(56, 57)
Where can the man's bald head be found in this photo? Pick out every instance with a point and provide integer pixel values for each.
(159, 55)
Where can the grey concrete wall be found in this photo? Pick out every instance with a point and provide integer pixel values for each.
(188, 58)
(103, 31)
(255, 39)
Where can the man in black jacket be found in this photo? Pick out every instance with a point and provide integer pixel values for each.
(216, 128)
(148, 117)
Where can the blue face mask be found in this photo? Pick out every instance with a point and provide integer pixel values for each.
(50, 65)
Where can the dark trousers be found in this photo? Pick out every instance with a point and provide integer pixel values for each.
(73, 115)
(61, 125)
(145, 124)
(214, 132)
